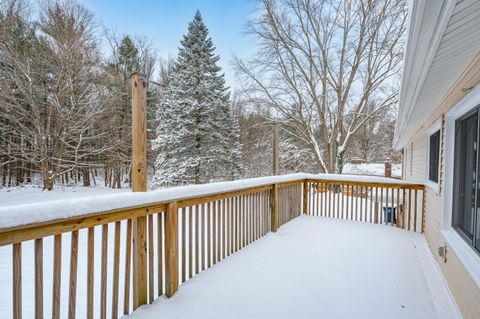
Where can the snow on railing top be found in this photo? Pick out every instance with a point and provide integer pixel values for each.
(17, 215)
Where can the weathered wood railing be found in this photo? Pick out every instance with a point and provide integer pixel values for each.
(148, 250)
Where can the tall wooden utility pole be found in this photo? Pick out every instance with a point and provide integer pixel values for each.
(276, 146)
(139, 184)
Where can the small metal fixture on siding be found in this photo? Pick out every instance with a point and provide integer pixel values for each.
(442, 252)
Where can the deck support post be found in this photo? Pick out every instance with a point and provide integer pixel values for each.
(274, 207)
(305, 197)
(139, 184)
(171, 249)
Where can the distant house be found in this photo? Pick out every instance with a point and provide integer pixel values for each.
(438, 130)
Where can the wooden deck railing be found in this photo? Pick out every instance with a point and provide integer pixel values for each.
(395, 204)
(120, 259)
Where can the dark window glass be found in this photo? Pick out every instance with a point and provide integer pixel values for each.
(465, 190)
(434, 157)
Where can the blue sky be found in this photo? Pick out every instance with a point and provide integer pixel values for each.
(165, 22)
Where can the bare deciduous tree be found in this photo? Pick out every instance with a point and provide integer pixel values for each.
(50, 95)
(320, 63)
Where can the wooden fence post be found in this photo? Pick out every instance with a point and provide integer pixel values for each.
(139, 184)
(305, 198)
(171, 249)
(274, 207)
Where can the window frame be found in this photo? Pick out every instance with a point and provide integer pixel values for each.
(464, 252)
(455, 218)
(435, 128)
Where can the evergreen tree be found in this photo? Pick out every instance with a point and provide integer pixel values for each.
(198, 136)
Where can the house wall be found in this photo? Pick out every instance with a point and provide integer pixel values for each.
(462, 286)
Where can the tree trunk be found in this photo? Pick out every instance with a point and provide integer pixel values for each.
(86, 177)
(48, 184)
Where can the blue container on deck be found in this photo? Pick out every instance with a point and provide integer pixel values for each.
(388, 216)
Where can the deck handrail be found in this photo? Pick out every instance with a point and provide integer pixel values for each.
(187, 234)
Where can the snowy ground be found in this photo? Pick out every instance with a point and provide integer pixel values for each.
(318, 268)
(373, 169)
(34, 194)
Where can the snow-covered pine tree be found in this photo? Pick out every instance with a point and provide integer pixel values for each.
(197, 136)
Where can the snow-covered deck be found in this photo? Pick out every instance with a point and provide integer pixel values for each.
(315, 267)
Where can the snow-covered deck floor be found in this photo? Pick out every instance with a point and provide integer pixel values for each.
(315, 267)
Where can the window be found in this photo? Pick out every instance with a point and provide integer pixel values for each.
(466, 189)
(434, 155)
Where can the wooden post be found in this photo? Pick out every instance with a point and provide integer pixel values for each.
(305, 198)
(171, 249)
(274, 207)
(276, 147)
(139, 133)
(388, 169)
(139, 184)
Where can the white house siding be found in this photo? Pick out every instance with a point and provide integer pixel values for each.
(463, 288)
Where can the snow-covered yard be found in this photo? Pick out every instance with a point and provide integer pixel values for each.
(33, 194)
(372, 169)
(315, 267)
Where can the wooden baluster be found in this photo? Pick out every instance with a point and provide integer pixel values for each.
(352, 202)
(424, 194)
(415, 211)
(224, 232)
(232, 224)
(253, 222)
(72, 293)
(228, 229)
(128, 263)
(91, 271)
(17, 280)
(409, 207)
(398, 207)
(103, 285)
(184, 244)
(347, 200)
(245, 222)
(151, 255)
(38, 278)
(254, 217)
(116, 268)
(337, 199)
(248, 219)
(403, 208)
(202, 257)
(209, 235)
(259, 215)
(236, 224)
(160, 252)
(381, 217)
(57, 271)
(220, 229)
(371, 204)
(355, 193)
(197, 238)
(171, 249)
(190, 241)
(214, 233)
(321, 210)
(365, 197)
(312, 200)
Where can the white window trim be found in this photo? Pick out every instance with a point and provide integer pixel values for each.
(437, 126)
(462, 250)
